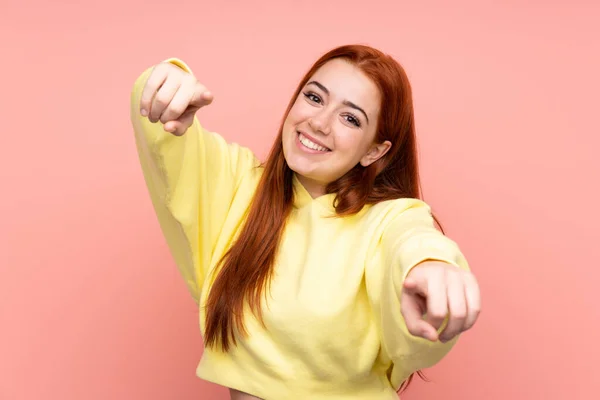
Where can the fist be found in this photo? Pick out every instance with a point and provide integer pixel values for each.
(434, 291)
(172, 96)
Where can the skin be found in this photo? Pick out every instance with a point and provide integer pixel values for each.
(337, 108)
(323, 113)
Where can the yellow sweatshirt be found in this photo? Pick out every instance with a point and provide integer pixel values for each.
(334, 326)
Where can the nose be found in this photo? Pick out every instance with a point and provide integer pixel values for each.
(321, 122)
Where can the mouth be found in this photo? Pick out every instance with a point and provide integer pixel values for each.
(309, 144)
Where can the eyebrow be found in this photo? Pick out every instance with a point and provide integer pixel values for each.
(345, 102)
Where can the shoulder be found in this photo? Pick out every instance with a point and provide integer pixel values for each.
(390, 210)
(391, 215)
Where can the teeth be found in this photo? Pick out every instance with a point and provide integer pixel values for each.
(310, 144)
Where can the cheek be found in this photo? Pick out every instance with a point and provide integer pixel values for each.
(299, 112)
(292, 120)
(351, 144)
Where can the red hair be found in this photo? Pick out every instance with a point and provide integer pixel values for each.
(247, 267)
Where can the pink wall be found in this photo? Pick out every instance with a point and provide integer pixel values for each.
(91, 306)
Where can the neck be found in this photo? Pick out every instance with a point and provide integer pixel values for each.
(314, 188)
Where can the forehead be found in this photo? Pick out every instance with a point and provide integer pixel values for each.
(347, 82)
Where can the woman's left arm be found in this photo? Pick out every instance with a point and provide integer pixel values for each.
(424, 295)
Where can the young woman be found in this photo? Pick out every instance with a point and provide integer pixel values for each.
(320, 273)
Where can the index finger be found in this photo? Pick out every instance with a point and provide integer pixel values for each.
(412, 312)
(155, 81)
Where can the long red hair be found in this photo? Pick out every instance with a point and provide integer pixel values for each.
(247, 267)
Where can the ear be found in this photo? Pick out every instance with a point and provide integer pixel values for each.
(376, 151)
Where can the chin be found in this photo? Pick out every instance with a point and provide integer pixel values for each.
(301, 166)
(302, 162)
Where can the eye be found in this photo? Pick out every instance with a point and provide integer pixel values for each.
(352, 119)
(312, 97)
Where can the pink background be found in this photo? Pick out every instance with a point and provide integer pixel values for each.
(91, 305)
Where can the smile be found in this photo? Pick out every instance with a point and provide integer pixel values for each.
(308, 144)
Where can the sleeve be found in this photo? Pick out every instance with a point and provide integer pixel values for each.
(191, 181)
(410, 238)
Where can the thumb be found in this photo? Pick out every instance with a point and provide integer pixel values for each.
(177, 127)
(416, 285)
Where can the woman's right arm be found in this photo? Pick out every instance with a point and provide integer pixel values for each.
(191, 173)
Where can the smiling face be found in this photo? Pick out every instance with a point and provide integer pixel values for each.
(332, 126)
